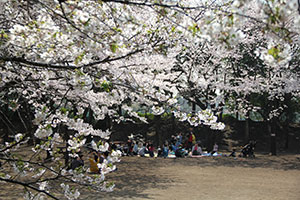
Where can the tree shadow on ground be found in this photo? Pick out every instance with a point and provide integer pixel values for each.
(135, 174)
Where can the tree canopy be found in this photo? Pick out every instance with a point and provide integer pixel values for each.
(63, 61)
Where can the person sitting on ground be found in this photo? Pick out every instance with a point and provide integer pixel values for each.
(248, 149)
(135, 149)
(196, 150)
(142, 151)
(77, 162)
(107, 156)
(215, 149)
(174, 147)
(113, 146)
(97, 157)
(165, 150)
(120, 148)
(180, 152)
(159, 152)
(233, 153)
(151, 150)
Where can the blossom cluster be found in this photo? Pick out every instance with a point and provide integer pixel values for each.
(63, 62)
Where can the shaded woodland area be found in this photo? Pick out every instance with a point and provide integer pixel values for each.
(160, 128)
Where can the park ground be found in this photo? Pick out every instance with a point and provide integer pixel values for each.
(263, 178)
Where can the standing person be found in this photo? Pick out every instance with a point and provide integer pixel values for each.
(215, 149)
(130, 147)
(185, 141)
(193, 139)
(190, 141)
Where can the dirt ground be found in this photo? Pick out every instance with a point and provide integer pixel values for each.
(263, 178)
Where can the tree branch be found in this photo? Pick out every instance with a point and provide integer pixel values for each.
(145, 3)
(29, 186)
(67, 67)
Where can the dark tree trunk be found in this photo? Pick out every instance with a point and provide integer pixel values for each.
(193, 107)
(173, 124)
(286, 145)
(158, 133)
(246, 136)
(273, 144)
(289, 116)
(221, 116)
(8, 127)
(272, 139)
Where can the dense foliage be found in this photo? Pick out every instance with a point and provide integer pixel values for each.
(65, 65)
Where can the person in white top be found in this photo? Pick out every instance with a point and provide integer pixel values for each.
(196, 150)
(215, 149)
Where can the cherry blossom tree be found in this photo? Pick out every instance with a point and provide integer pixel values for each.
(245, 79)
(62, 59)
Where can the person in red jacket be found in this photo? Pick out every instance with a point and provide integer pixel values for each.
(190, 140)
(151, 150)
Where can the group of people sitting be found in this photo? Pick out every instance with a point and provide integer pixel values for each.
(180, 146)
(177, 146)
(93, 157)
(133, 147)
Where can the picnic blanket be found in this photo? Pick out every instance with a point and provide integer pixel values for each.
(205, 155)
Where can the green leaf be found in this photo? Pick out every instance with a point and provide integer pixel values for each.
(114, 47)
(173, 29)
(63, 110)
(48, 126)
(274, 51)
